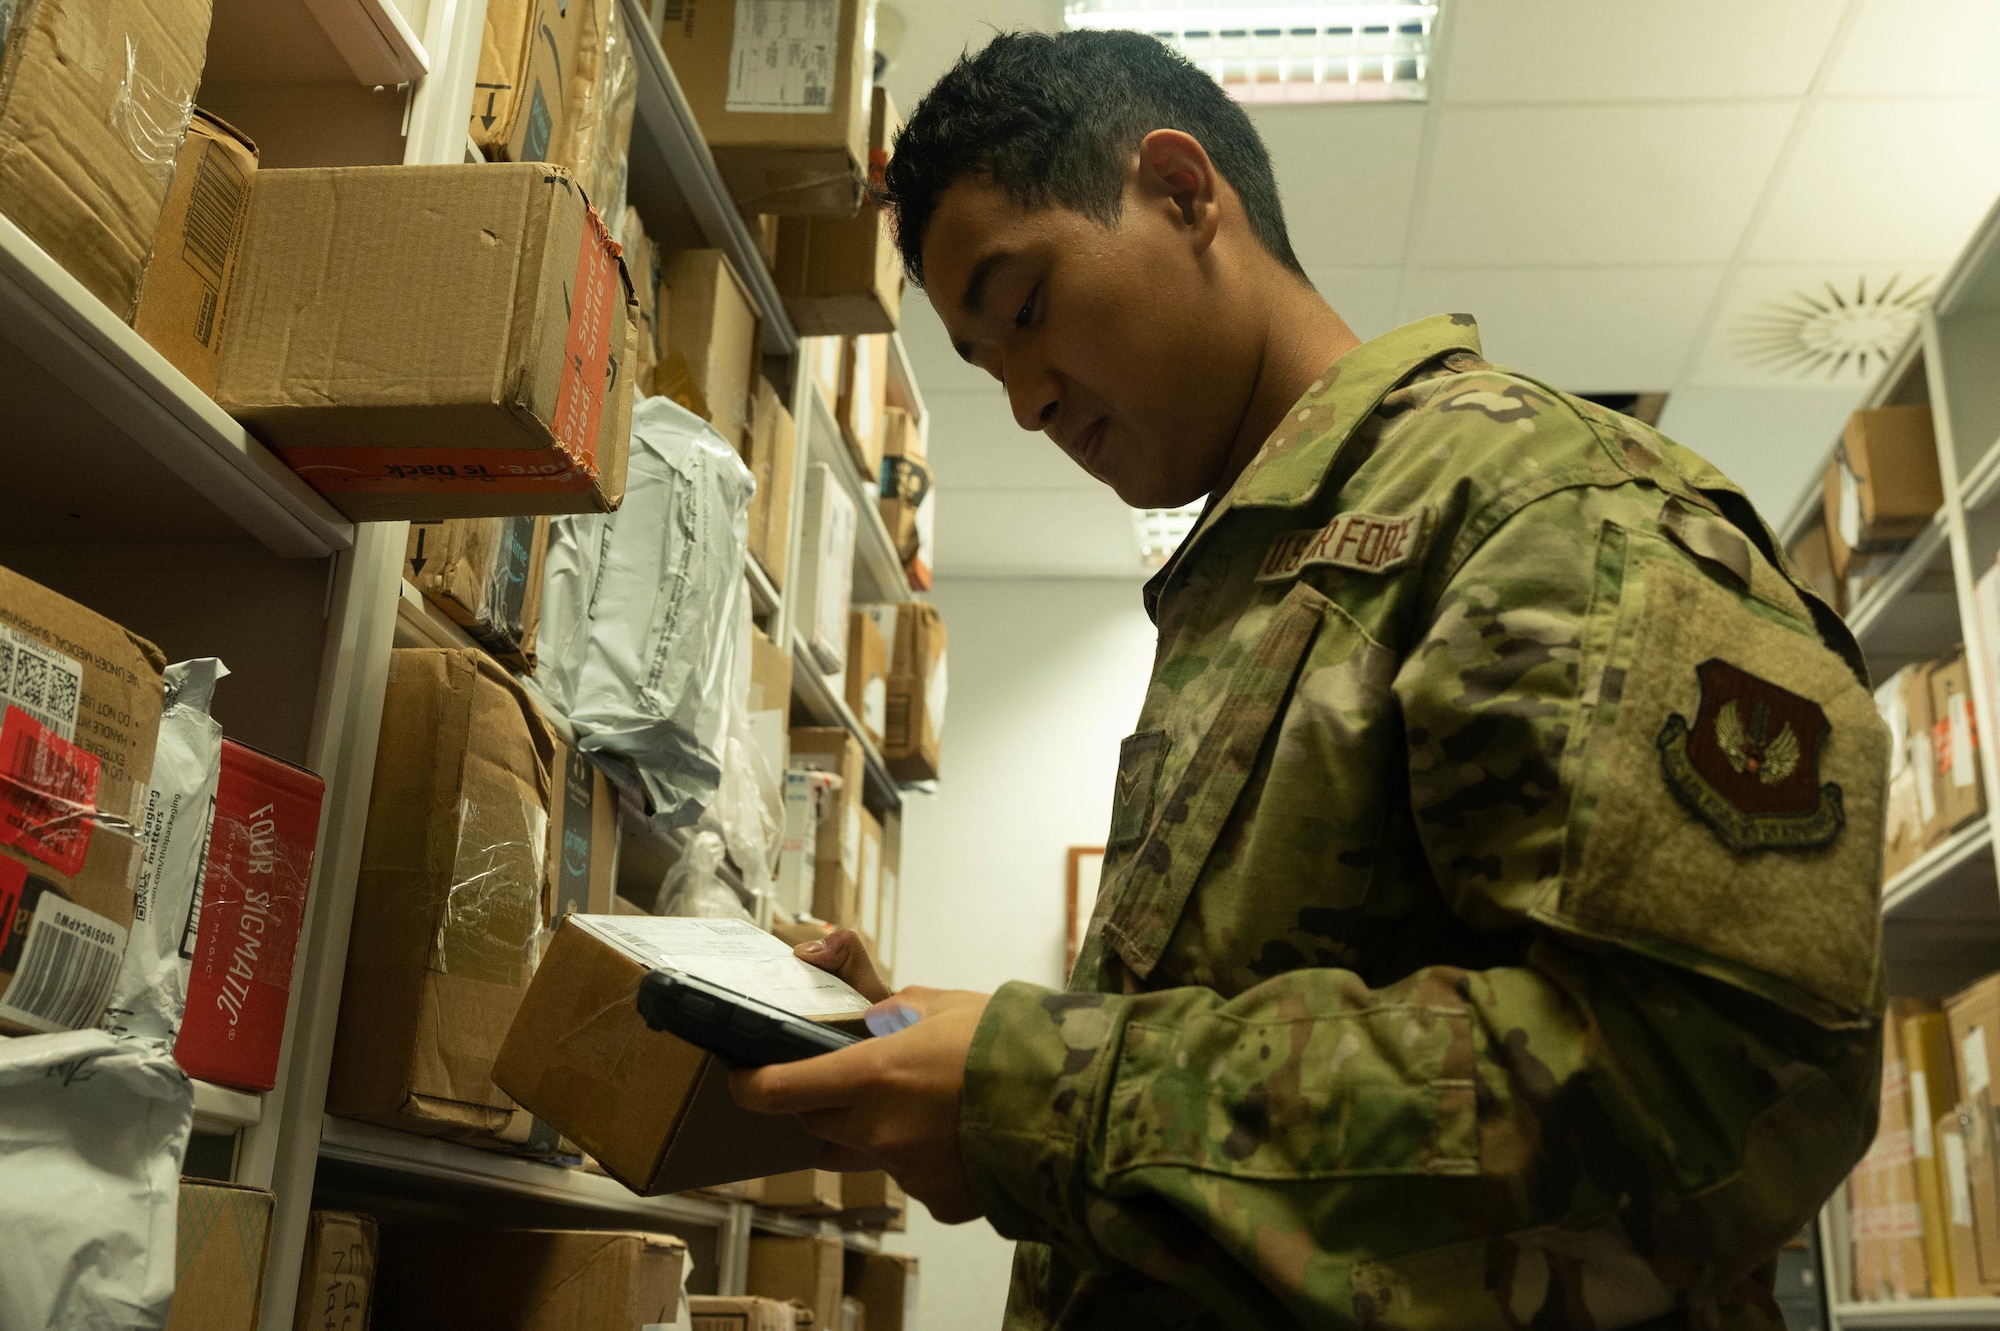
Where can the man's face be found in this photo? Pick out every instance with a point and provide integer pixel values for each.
(1107, 339)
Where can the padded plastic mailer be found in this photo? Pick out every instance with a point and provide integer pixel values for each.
(663, 618)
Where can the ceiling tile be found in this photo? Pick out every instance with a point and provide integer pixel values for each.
(1346, 175)
(1615, 185)
(975, 445)
(1882, 181)
(1586, 330)
(1771, 441)
(1630, 50)
(1777, 322)
(1915, 49)
(1045, 533)
(1364, 297)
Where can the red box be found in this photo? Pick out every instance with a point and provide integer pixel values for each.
(251, 905)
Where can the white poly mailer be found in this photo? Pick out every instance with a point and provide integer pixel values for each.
(653, 687)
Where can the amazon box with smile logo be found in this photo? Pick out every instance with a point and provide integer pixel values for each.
(435, 341)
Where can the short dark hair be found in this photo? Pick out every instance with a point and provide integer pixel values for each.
(1053, 119)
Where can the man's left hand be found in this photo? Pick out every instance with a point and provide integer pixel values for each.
(887, 1103)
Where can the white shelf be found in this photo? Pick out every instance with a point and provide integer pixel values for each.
(1881, 604)
(763, 596)
(1983, 481)
(878, 570)
(675, 184)
(1940, 1313)
(220, 1109)
(828, 708)
(423, 1161)
(903, 382)
(1964, 859)
(777, 1222)
(108, 443)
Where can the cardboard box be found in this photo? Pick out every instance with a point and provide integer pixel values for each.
(1886, 1217)
(486, 575)
(803, 1191)
(642, 265)
(713, 323)
(809, 801)
(886, 1284)
(435, 341)
(711, 1312)
(80, 702)
(784, 109)
(94, 99)
(529, 1279)
(836, 896)
(1924, 1039)
(806, 1268)
(1961, 791)
(823, 362)
(251, 906)
(773, 453)
(1973, 1015)
(528, 53)
(603, 97)
(867, 675)
(582, 870)
(337, 1274)
(892, 894)
(868, 884)
(654, 1111)
(917, 687)
(864, 392)
(1954, 1183)
(1889, 484)
(905, 483)
(853, 1316)
(826, 567)
(621, 906)
(448, 908)
(873, 1201)
(221, 1237)
(844, 275)
(189, 280)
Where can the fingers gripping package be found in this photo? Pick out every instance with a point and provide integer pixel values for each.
(664, 613)
(80, 702)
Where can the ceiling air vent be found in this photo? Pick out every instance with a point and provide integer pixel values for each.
(1833, 331)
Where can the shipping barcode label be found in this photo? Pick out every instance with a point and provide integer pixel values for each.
(1955, 1177)
(48, 793)
(40, 681)
(1972, 1051)
(1920, 1117)
(67, 965)
(782, 56)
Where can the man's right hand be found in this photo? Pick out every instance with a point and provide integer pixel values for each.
(843, 953)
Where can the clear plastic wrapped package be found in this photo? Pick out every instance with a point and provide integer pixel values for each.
(665, 613)
(695, 886)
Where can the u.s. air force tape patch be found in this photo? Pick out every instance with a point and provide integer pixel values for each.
(1364, 542)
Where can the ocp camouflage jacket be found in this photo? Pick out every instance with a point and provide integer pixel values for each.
(1488, 933)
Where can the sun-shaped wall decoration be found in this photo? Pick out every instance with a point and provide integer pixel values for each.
(1834, 331)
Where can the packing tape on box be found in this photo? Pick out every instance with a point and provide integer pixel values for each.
(490, 926)
(148, 112)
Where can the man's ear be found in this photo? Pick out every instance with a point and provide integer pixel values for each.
(1175, 174)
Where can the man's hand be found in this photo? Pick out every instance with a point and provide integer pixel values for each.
(888, 1103)
(843, 953)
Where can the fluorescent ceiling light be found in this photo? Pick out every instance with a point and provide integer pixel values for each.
(1264, 52)
(1161, 531)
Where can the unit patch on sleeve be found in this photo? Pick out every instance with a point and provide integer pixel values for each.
(1749, 765)
(1364, 542)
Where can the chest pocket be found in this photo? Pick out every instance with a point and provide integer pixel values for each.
(1179, 830)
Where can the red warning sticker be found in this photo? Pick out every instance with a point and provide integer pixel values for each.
(13, 877)
(48, 793)
(587, 369)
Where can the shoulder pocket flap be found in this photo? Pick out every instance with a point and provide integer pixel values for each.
(1184, 827)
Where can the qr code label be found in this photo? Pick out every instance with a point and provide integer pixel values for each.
(39, 680)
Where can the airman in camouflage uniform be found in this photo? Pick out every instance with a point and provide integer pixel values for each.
(1488, 933)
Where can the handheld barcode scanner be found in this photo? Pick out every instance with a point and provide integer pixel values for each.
(735, 1027)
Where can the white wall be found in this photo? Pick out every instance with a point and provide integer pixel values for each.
(1770, 441)
(1046, 676)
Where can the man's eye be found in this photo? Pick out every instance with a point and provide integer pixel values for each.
(1026, 312)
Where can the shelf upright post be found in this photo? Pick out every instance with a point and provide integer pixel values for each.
(732, 1250)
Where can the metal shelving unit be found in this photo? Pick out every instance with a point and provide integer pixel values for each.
(1941, 915)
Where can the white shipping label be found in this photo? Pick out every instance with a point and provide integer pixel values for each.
(875, 706)
(39, 680)
(1972, 1050)
(1961, 1188)
(735, 954)
(1963, 771)
(1920, 1116)
(68, 962)
(1895, 715)
(1925, 765)
(784, 56)
(1849, 515)
(934, 696)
